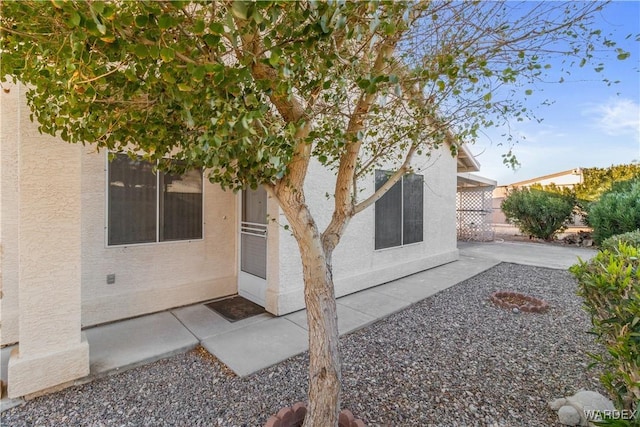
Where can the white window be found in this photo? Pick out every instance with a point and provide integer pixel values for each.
(399, 213)
(146, 207)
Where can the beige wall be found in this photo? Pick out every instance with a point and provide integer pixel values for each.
(43, 249)
(156, 276)
(356, 264)
(9, 211)
(149, 277)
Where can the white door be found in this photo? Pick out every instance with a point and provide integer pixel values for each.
(252, 275)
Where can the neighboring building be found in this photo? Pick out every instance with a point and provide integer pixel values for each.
(564, 179)
(85, 241)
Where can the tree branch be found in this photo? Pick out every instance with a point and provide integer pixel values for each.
(343, 205)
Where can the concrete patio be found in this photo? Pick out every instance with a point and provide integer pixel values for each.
(255, 343)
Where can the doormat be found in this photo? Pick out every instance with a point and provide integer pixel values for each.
(236, 308)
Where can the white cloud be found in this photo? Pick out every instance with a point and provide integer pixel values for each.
(617, 117)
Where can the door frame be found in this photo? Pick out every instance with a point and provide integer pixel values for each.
(250, 286)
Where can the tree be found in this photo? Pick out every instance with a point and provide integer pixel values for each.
(253, 91)
(617, 211)
(597, 181)
(537, 212)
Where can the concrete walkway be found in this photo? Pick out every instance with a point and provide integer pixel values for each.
(250, 345)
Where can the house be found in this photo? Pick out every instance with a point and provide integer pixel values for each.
(89, 237)
(564, 179)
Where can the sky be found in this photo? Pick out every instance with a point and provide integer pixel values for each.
(589, 124)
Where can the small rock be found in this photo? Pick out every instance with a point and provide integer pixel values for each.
(557, 404)
(590, 400)
(568, 415)
(516, 310)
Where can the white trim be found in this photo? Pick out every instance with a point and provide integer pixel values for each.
(421, 242)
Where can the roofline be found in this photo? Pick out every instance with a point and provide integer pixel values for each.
(470, 180)
(540, 178)
(466, 160)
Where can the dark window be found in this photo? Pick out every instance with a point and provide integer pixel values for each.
(146, 207)
(399, 213)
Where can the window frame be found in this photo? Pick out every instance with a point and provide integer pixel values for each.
(402, 214)
(157, 212)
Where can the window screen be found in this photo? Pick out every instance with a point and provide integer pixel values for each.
(181, 210)
(132, 201)
(399, 213)
(412, 205)
(145, 207)
(388, 213)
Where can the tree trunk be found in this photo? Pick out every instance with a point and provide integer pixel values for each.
(324, 358)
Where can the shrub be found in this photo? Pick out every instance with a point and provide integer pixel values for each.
(632, 238)
(538, 213)
(610, 287)
(617, 211)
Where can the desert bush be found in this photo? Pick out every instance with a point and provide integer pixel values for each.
(617, 211)
(610, 287)
(632, 238)
(538, 213)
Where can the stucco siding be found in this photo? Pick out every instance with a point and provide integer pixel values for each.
(149, 278)
(9, 212)
(356, 264)
(156, 276)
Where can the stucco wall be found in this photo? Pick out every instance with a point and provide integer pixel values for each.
(356, 265)
(9, 135)
(156, 276)
(149, 277)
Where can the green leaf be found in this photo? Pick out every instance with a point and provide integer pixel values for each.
(167, 54)
(623, 55)
(528, 92)
(183, 87)
(141, 51)
(74, 19)
(211, 40)
(487, 97)
(142, 21)
(198, 73)
(216, 28)
(239, 9)
(165, 21)
(274, 59)
(98, 6)
(198, 26)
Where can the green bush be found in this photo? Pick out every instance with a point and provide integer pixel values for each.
(632, 238)
(617, 211)
(538, 213)
(610, 287)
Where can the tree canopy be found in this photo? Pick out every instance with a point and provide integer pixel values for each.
(596, 181)
(216, 82)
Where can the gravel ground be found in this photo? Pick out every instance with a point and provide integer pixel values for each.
(453, 359)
